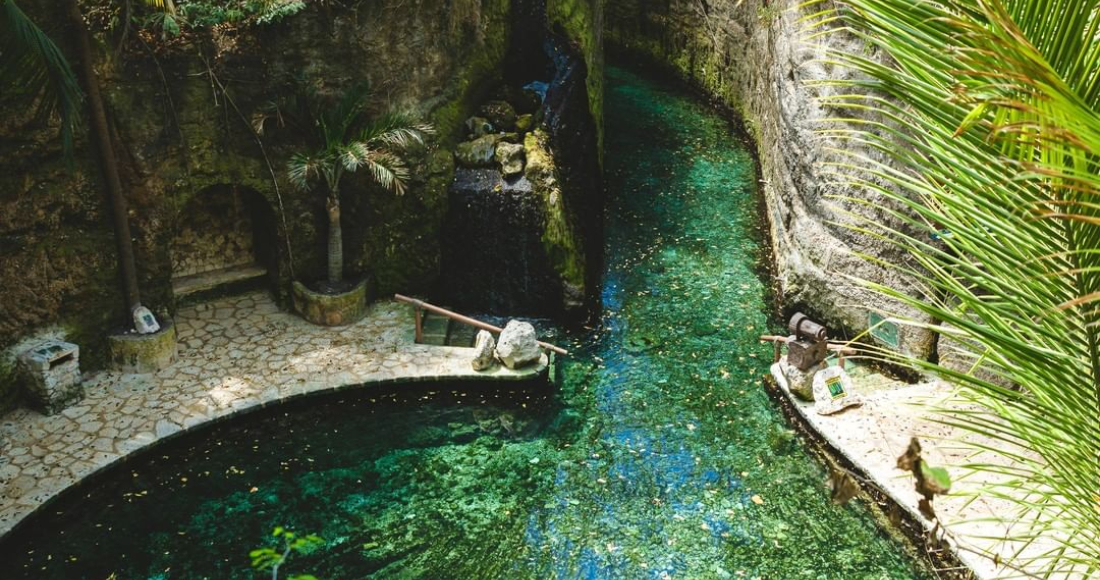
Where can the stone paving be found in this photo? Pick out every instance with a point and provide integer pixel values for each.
(875, 434)
(235, 354)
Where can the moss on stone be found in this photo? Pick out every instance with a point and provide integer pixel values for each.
(582, 21)
(559, 236)
(331, 309)
(144, 353)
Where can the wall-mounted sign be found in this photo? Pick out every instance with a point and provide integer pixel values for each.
(883, 330)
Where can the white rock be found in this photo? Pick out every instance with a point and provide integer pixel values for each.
(510, 158)
(483, 351)
(518, 345)
(833, 391)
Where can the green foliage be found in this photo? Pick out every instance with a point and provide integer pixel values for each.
(33, 69)
(166, 22)
(208, 13)
(344, 138)
(986, 124)
(271, 558)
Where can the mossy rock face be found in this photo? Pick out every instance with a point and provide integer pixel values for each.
(331, 309)
(560, 239)
(144, 353)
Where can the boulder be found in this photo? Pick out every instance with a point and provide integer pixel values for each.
(484, 346)
(524, 123)
(833, 392)
(518, 345)
(799, 382)
(510, 156)
(478, 127)
(477, 153)
(500, 114)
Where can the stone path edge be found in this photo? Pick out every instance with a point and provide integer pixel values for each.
(237, 355)
(913, 526)
(535, 375)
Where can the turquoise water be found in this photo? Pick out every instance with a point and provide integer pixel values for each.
(658, 456)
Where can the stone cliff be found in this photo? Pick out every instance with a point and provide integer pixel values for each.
(757, 58)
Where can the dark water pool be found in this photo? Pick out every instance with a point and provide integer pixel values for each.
(659, 455)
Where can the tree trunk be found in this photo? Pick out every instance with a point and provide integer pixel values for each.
(335, 243)
(109, 163)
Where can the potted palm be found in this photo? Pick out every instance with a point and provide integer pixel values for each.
(345, 138)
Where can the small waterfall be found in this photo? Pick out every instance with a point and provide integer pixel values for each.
(496, 258)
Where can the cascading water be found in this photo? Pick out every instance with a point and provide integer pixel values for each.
(495, 255)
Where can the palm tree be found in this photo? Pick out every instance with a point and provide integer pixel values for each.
(345, 139)
(34, 66)
(988, 117)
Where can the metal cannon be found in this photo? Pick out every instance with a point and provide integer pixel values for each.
(808, 344)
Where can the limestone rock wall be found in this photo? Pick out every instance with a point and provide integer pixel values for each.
(182, 109)
(754, 56)
(216, 235)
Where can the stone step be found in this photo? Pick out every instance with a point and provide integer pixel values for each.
(235, 275)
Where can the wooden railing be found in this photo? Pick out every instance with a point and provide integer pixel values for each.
(419, 306)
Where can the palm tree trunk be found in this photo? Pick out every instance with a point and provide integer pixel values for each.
(335, 242)
(109, 163)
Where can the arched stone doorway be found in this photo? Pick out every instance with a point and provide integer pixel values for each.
(225, 241)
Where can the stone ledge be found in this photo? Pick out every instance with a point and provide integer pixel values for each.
(236, 355)
(872, 436)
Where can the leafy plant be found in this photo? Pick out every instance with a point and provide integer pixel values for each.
(344, 139)
(35, 70)
(272, 558)
(985, 123)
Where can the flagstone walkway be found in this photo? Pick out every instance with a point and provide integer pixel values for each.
(234, 354)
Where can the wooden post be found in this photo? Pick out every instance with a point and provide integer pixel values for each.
(418, 318)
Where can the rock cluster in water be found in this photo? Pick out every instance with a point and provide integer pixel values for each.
(494, 139)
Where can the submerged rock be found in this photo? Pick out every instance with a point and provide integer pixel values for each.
(478, 127)
(510, 156)
(484, 346)
(518, 345)
(477, 153)
(501, 114)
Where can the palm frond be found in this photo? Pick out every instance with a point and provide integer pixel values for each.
(387, 170)
(987, 119)
(396, 131)
(341, 119)
(34, 69)
(303, 169)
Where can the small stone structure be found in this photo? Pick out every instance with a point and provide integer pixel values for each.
(330, 309)
(52, 374)
(144, 353)
(518, 345)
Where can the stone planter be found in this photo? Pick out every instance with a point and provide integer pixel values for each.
(144, 353)
(330, 309)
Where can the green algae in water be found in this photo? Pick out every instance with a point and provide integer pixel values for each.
(660, 456)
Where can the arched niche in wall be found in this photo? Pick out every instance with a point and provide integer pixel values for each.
(224, 241)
